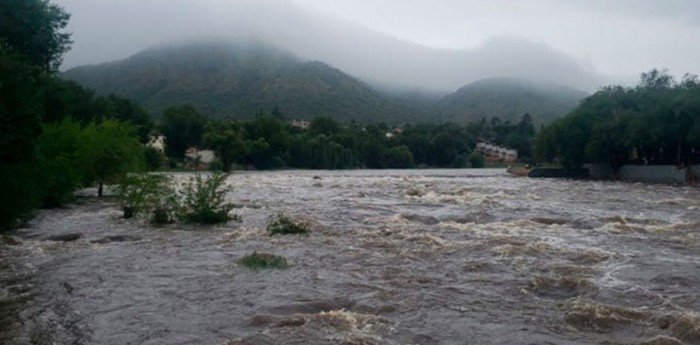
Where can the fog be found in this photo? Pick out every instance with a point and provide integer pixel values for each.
(414, 45)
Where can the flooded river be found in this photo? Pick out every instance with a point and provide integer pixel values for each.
(394, 257)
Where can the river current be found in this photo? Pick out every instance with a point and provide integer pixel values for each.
(394, 257)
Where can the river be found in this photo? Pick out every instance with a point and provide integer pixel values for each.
(394, 257)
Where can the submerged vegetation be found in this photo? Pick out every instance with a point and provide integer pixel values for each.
(149, 195)
(204, 200)
(285, 225)
(258, 261)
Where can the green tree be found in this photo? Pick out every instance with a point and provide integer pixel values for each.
(476, 160)
(32, 29)
(399, 157)
(226, 138)
(182, 127)
(323, 125)
(59, 162)
(31, 46)
(111, 150)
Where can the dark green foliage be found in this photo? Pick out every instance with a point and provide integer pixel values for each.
(284, 225)
(19, 192)
(204, 200)
(66, 98)
(476, 160)
(110, 150)
(238, 81)
(60, 162)
(155, 159)
(323, 125)
(268, 142)
(44, 155)
(182, 127)
(398, 157)
(258, 261)
(31, 28)
(149, 195)
(227, 140)
(653, 123)
(30, 48)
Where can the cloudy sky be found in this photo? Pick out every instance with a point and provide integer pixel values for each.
(618, 39)
(613, 36)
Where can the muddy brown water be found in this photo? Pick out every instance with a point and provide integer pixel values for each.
(394, 257)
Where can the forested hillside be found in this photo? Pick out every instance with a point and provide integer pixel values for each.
(224, 80)
(238, 81)
(508, 99)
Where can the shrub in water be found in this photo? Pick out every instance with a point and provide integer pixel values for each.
(257, 261)
(147, 194)
(204, 200)
(284, 225)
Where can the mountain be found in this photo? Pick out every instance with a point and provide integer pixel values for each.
(374, 57)
(509, 99)
(239, 80)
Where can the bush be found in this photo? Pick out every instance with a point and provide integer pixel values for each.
(155, 159)
(284, 225)
(257, 261)
(147, 194)
(476, 160)
(204, 200)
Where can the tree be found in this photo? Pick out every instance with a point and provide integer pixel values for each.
(226, 139)
(655, 123)
(31, 29)
(122, 109)
(323, 125)
(59, 162)
(182, 127)
(31, 46)
(476, 160)
(111, 150)
(399, 157)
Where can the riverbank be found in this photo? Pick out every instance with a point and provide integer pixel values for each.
(646, 173)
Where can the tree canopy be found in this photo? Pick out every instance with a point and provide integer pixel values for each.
(32, 29)
(656, 122)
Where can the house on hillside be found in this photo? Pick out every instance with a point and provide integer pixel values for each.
(198, 159)
(303, 124)
(496, 153)
(157, 142)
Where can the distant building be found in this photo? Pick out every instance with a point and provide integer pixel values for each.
(303, 124)
(157, 142)
(496, 153)
(395, 131)
(198, 159)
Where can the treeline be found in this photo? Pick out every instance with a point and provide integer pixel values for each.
(269, 141)
(656, 122)
(55, 136)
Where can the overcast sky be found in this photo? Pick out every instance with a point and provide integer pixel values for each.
(613, 38)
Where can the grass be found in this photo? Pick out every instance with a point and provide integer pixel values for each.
(284, 225)
(259, 261)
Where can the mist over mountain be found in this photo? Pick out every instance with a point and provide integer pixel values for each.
(509, 99)
(239, 80)
(378, 59)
